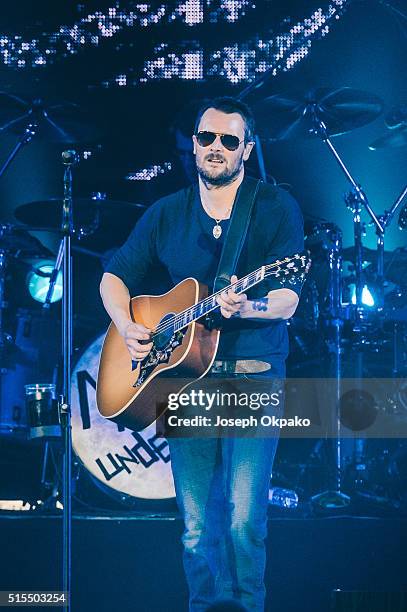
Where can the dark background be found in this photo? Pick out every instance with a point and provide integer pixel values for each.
(364, 49)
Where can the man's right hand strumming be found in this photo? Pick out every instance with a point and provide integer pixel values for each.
(116, 298)
(137, 338)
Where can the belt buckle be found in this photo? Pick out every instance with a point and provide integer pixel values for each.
(220, 367)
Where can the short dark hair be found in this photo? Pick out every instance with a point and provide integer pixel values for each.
(229, 105)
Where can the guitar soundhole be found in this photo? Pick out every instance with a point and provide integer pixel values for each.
(163, 338)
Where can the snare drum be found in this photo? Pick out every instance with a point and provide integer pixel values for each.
(127, 463)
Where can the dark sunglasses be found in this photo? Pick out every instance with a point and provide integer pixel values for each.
(231, 143)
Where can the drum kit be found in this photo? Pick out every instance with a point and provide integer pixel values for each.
(335, 324)
(332, 322)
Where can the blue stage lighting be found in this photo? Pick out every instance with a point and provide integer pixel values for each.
(367, 296)
(38, 284)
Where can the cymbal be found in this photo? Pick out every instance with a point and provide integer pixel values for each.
(101, 223)
(283, 117)
(64, 123)
(396, 137)
(19, 243)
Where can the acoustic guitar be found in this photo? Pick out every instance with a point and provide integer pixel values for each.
(132, 393)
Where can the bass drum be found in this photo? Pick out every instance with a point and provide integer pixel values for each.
(128, 465)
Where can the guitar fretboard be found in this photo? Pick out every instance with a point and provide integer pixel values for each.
(210, 303)
(204, 307)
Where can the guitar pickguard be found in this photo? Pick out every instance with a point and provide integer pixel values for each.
(158, 355)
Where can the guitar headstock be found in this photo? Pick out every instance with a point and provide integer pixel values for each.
(291, 269)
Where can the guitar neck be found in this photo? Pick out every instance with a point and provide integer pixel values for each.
(296, 266)
(210, 304)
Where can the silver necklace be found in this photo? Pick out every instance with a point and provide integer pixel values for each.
(217, 230)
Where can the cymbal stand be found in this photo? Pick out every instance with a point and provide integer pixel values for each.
(359, 200)
(334, 498)
(28, 134)
(357, 197)
(389, 214)
(354, 205)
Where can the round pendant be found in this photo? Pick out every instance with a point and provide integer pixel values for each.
(217, 231)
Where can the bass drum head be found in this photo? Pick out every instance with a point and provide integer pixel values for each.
(127, 463)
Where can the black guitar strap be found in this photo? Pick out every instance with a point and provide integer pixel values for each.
(237, 231)
(235, 237)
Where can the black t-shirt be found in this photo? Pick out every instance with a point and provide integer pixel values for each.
(175, 233)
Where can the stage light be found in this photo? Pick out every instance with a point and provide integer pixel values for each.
(367, 296)
(38, 282)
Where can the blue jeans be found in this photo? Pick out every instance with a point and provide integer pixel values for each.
(222, 487)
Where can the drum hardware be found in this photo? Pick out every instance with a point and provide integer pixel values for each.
(63, 123)
(290, 117)
(50, 481)
(44, 427)
(376, 473)
(15, 245)
(16, 242)
(325, 114)
(396, 122)
(394, 138)
(299, 469)
(397, 116)
(107, 221)
(30, 354)
(322, 239)
(395, 265)
(28, 134)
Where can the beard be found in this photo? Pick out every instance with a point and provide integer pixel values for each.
(216, 178)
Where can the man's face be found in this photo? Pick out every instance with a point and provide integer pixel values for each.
(217, 165)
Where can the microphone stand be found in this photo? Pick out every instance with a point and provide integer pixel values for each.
(69, 158)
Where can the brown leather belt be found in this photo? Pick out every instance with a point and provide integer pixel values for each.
(239, 366)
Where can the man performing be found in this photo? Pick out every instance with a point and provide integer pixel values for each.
(221, 484)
